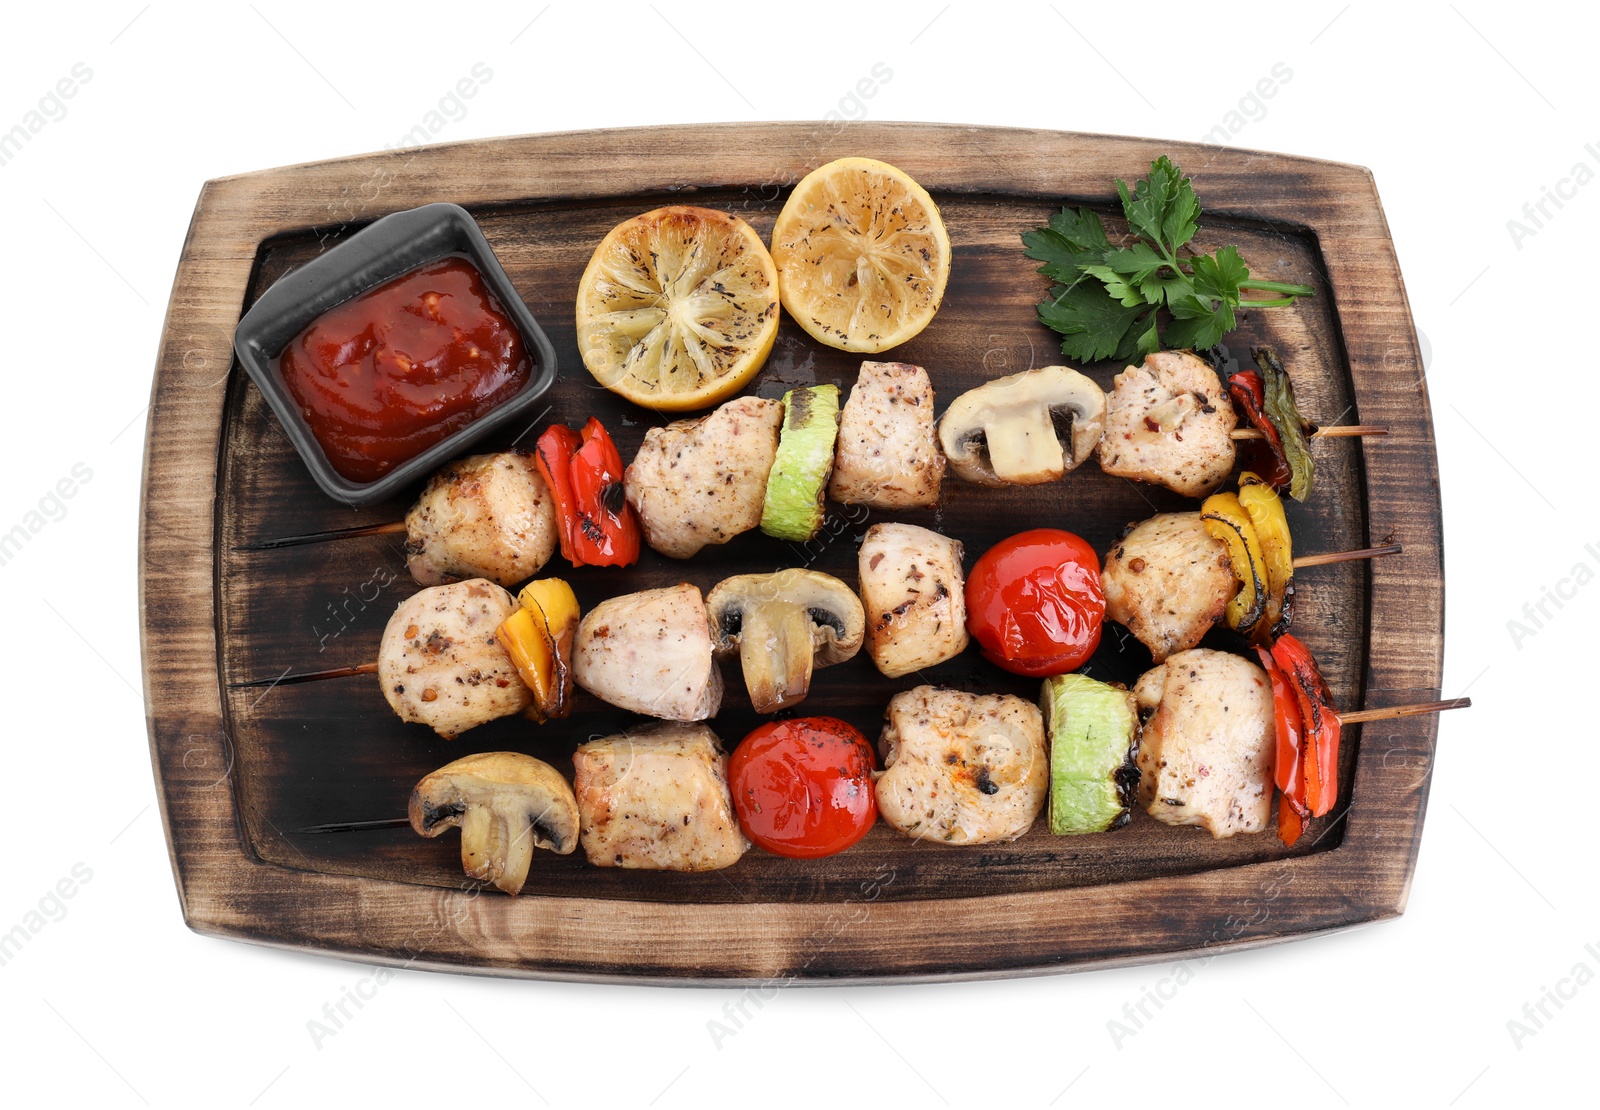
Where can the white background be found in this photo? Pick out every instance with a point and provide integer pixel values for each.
(1464, 113)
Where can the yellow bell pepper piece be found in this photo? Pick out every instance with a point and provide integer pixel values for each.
(538, 638)
(553, 598)
(1227, 520)
(1265, 509)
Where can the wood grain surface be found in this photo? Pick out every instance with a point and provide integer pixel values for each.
(243, 769)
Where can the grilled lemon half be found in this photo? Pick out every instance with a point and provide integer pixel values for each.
(862, 255)
(678, 308)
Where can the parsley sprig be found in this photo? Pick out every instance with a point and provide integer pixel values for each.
(1113, 301)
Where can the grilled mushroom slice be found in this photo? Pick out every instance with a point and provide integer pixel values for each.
(1023, 429)
(783, 625)
(505, 804)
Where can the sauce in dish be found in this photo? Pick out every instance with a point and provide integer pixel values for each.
(388, 374)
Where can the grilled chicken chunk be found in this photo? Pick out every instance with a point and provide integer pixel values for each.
(650, 652)
(1167, 422)
(1168, 581)
(698, 482)
(658, 799)
(962, 768)
(440, 664)
(1205, 755)
(888, 454)
(915, 597)
(486, 516)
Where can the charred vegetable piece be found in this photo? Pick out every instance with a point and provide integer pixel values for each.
(1265, 509)
(1227, 520)
(798, 482)
(585, 475)
(1264, 455)
(1094, 779)
(1293, 429)
(538, 638)
(1319, 750)
(1286, 756)
(505, 804)
(783, 625)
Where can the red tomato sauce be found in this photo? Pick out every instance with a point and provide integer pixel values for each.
(386, 375)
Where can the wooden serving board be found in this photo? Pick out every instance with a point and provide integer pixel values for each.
(243, 770)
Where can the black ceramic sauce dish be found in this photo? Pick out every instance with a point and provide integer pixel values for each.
(388, 248)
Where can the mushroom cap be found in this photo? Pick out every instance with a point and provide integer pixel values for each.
(784, 625)
(1015, 430)
(505, 804)
(838, 622)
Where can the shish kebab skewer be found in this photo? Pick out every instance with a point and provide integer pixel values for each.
(1207, 735)
(398, 527)
(353, 670)
(1168, 422)
(1354, 717)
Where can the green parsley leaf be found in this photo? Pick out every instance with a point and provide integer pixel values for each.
(1162, 208)
(1220, 275)
(1092, 325)
(1110, 300)
(1073, 240)
(1199, 322)
(1116, 286)
(1138, 262)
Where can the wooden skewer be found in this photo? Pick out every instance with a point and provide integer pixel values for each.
(358, 826)
(393, 527)
(1388, 713)
(372, 668)
(287, 679)
(1334, 432)
(1346, 556)
(1355, 717)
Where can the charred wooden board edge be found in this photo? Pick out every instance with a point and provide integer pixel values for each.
(226, 892)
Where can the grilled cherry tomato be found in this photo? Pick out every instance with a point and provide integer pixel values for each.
(803, 788)
(1034, 602)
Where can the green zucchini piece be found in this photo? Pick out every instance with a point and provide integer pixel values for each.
(1093, 729)
(798, 481)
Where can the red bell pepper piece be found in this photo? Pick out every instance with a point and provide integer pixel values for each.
(1286, 757)
(1264, 456)
(607, 532)
(597, 526)
(1319, 758)
(553, 457)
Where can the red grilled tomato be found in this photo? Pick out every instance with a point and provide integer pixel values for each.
(803, 788)
(1034, 602)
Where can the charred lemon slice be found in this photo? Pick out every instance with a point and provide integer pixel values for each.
(862, 255)
(678, 308)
